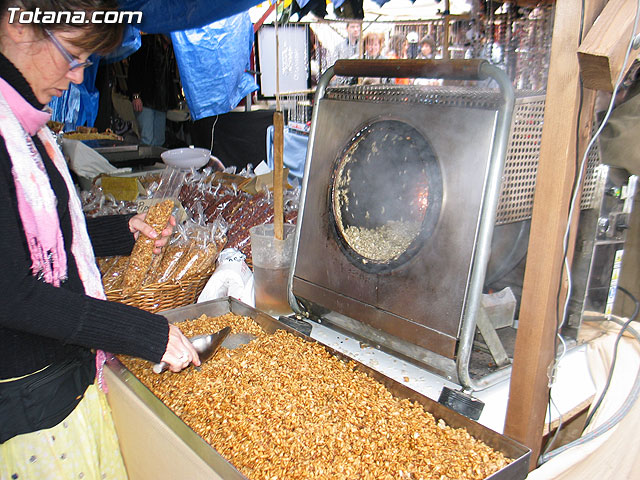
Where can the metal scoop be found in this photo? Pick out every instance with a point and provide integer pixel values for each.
(208, 345)
(237, 339)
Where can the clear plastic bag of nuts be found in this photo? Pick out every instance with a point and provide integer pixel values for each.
(170, 258)
(142, 255)
(112, 272)
(207, 243)
(192, 251)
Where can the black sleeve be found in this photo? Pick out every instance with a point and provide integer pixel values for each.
(33, 306)
(110, 235)
(135, 72)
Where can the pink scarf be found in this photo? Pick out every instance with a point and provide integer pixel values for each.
(19, 120)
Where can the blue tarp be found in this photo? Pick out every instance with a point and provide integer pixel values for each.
(221, 49)
(79, 104)
(131, 42)
(213, 61)
(294, 152)
(164, 16)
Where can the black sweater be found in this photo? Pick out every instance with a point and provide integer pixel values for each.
(41, 324)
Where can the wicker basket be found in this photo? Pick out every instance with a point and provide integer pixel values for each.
(158, 297)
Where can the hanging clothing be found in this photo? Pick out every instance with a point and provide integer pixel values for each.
(153, 74)
(348, 9)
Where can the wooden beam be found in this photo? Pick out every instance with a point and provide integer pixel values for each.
(601, 53)
(535, 343)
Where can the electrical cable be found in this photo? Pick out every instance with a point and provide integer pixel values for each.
(615, 355)
(574, 200)
(556, 434)
(626, 406)
(213, 127)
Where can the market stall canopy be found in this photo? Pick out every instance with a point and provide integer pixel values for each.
(369, 10)
(164, 16)
(412, 10)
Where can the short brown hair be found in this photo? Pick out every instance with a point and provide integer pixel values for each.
(429, 41)
(373, 36)
(100, 38)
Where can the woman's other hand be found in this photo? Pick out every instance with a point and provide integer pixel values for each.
(137, 225)
(180, 353)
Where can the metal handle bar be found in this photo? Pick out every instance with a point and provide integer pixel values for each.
(447, 69)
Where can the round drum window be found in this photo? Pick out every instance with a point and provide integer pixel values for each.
(386, 194)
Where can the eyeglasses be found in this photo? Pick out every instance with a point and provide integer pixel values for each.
(74, 63)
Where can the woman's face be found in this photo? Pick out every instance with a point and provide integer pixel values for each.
(44, 65)
(373, 47)
(426, 50)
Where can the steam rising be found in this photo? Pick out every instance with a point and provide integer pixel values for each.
(381, 190)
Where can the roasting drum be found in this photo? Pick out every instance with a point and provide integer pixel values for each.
(399, 202)
(380, 222)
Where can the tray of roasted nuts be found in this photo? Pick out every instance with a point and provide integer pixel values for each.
(287, 407)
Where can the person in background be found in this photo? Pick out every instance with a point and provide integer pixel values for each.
(373, 44)
(55, 323)
(347, 49)
(398, 49)
(151, 79)
(350, 46)
(427, 48)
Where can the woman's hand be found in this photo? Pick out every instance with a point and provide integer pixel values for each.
(137, 225)
(180, 353)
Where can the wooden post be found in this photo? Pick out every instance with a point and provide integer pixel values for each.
(602, 52)
(278, 149)
(445, 40)
(534, 350)
(278, 180)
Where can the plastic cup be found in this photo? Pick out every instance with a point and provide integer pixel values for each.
(271, 264)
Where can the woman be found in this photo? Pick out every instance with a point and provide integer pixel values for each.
(399, 46)
(54, 420)
(427, 48)
(373, 44)
(427, 51)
